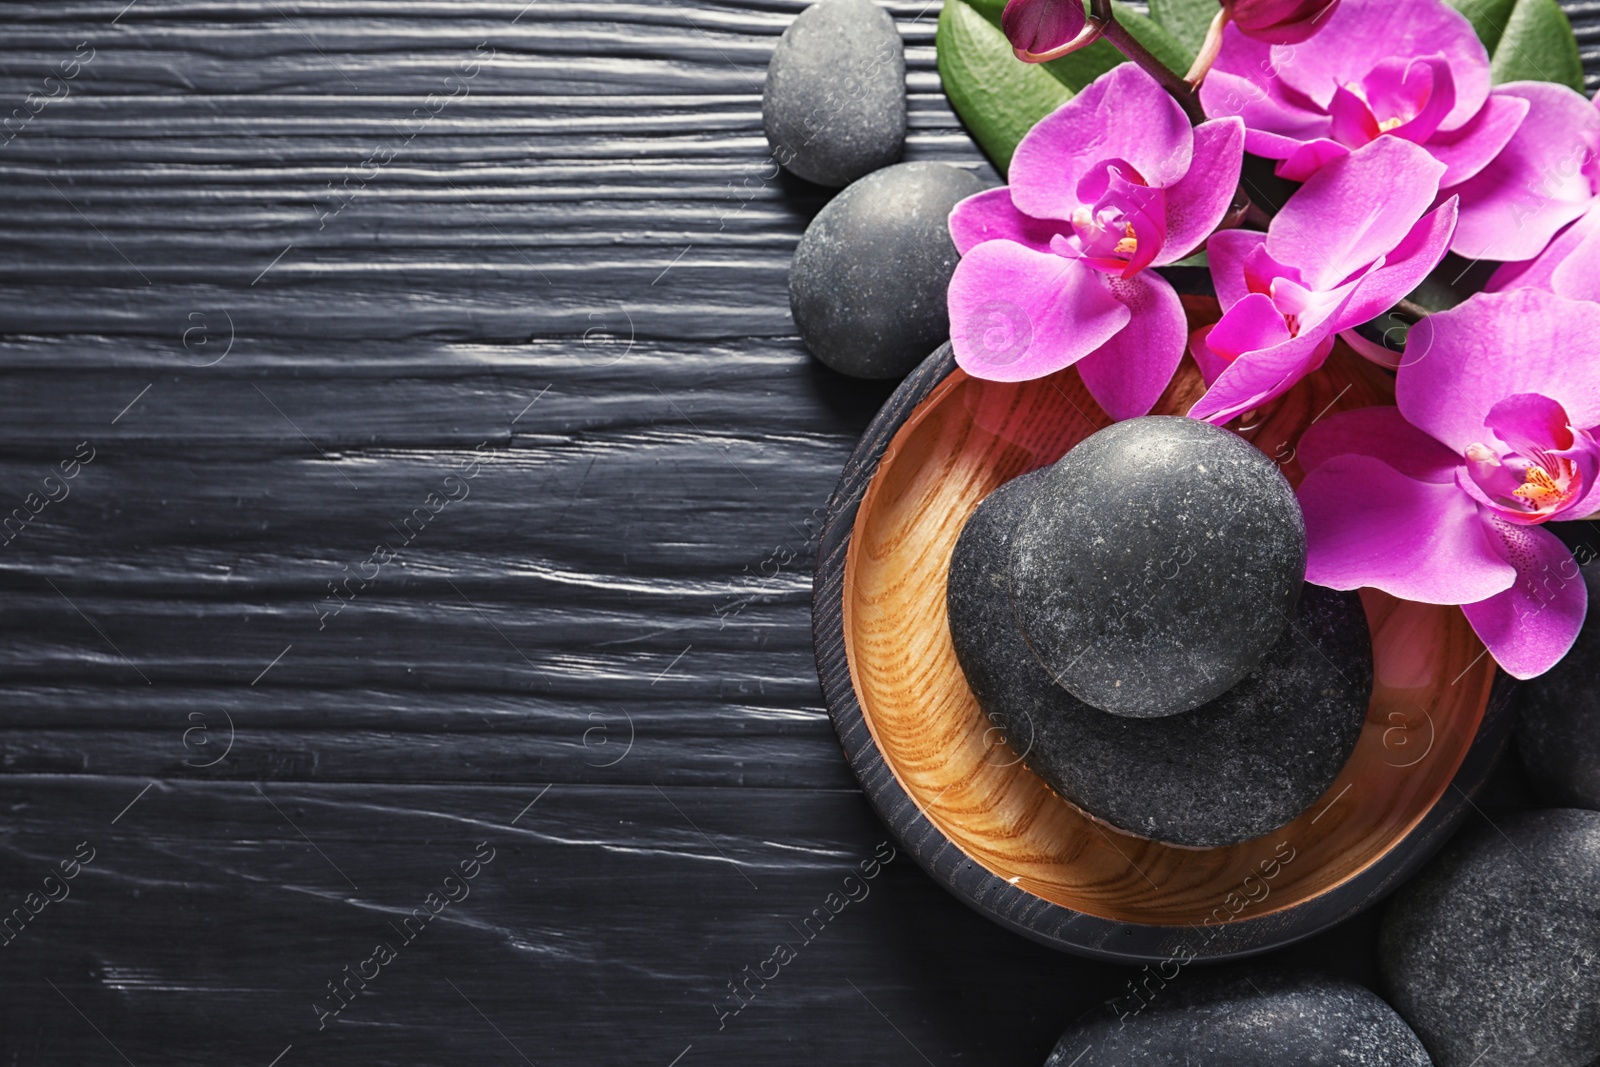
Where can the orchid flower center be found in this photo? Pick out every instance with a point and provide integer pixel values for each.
(1096, 231)
(1120, 223)
(1542, 465)
(1406, 97)
(1541, 483)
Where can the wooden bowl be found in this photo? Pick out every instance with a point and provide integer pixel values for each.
(956, 793)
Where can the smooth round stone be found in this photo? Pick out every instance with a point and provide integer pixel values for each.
(1492, 954)
(835, 100)
(1243, 1019)
(1559, 732)
(1159, 561)
(868, 283)
(1233, 769)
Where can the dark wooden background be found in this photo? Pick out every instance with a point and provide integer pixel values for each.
(283, 293)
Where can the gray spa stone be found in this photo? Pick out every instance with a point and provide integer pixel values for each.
(867, 287)
(1559, 732)
(1244, 1019)
(1158, 562)
(1492, 953)
(1231, 770)
(834, 105)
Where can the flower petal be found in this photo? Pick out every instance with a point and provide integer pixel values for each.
(1121, 115)
(1128, 373)
(1354, 210)
(1569, 266)
(1197, 202)
(1254, 324)
(1460, 363)
(1229, 252)
(1530, 626)
(1309, 158)
(1423, 87)
(1257, 377)
(1404, 268)
(1353, 121)
(1530, 423)
(1369, 525)
(1467, 151)
(1017, 314)
(1211, 365)
(1382, 433)
(991, 216)
(1536, 185)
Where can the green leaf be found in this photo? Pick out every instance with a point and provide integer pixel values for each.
(1528, 40)
(1186, 20)
(1488, 18)
(999, 97)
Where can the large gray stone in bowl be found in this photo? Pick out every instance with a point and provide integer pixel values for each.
(1158, 562)
(1230, 770)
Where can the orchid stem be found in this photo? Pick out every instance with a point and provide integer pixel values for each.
(1411, 311)
(1100, 13)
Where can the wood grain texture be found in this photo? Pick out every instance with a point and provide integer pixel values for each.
(592, 229)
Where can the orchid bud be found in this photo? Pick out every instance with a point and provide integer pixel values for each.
(1041, 30)
(1280, 21)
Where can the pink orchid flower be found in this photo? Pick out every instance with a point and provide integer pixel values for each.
(1410, 70)
(1053, 269)
(1042, 30)
(1547, 176)
(1440, 499)
(1345, 248)
(1279, 21)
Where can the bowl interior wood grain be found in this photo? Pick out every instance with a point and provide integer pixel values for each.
(969, 436)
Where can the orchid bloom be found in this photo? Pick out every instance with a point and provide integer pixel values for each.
(1053, 268)
(1410, 70)
(1346, 247)
(1547, 176)
(1042, 30)
(1440, 499)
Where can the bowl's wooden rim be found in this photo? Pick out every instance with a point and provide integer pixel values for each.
(1015, 907)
